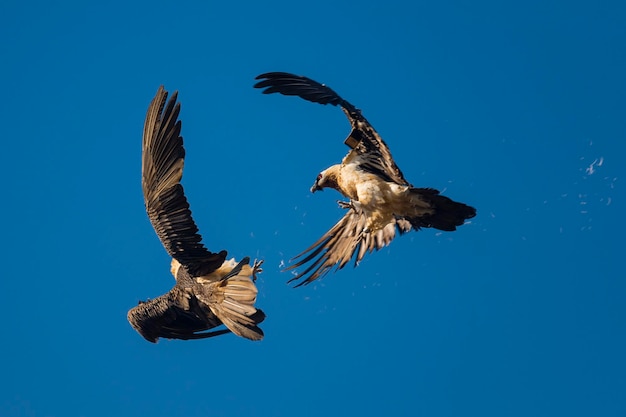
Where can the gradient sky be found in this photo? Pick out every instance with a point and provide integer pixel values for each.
(517, 110)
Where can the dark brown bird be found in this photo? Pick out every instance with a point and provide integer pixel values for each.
(381, 200)
(209, 290)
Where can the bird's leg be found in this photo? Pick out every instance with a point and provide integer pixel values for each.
(354, 205)
(256, 268)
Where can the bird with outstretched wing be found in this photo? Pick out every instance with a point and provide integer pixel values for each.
(210, 290)
(381, 201)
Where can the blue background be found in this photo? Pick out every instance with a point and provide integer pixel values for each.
(517, 109)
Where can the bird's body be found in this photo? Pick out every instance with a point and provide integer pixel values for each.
(210, 290)
(381, 201)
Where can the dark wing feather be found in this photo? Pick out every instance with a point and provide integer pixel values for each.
(297, 85)
(346, 239)
(164, 317)
(364, 141)
(162, 169)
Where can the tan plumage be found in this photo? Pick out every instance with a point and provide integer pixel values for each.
(209, 290)
(381, 201)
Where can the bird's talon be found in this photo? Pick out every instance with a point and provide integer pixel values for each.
(256, 268)
(345, 204)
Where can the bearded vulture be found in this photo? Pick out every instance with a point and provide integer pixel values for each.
(380, 199)
(210, 290)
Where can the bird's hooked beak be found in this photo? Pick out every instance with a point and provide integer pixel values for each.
(316, 187)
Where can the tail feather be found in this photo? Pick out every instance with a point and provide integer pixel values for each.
(447, 214)
(232, 300)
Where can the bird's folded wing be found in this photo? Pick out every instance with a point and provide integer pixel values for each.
(162, 169)
(164, 317)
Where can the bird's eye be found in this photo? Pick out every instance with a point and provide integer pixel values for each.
(319, 176)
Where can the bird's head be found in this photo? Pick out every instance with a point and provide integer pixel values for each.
(325, 179)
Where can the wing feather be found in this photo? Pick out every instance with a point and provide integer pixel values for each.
(297, 85)
(344, 241)
(165, 317)
(368, 148)
(167, 207)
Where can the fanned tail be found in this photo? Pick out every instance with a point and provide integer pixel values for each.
(232, 300)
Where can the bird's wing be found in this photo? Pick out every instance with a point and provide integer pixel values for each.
(162, 169)
(369, 150)
(164, 317)
(346, 239)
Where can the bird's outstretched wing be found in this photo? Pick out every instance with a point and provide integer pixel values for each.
(164, 317)
(162, 169)
(345, 240)
(369, 150)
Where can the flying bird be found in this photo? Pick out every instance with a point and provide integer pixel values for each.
(210, 290)
(380, 202)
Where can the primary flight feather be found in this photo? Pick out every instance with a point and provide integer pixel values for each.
(381, 201)
(210, 290)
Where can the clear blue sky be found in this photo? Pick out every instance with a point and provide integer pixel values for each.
(517, 110)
